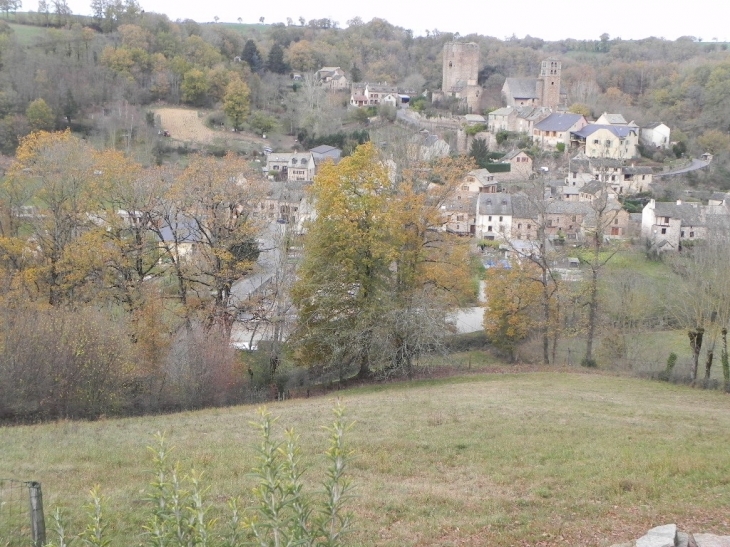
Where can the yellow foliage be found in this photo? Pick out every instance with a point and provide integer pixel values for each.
(512, 296)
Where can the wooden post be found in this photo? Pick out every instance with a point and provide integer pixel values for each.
(37, 521)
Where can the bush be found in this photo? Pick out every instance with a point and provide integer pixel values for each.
(589, 363)
(284, 512)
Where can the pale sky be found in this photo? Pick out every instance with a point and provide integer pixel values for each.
(550, 20)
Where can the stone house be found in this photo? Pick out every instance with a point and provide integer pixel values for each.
(296, 166)
(607, 141)
(667, 225)
(557, 128)
(521, 119)
(501, 119)
(493, 219)
(520, 166)
(655, 134)
(479, 181)
(333, 78)
(373, 94)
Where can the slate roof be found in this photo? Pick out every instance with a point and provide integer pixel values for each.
(614, 118)
(559, 122)
(482, 175)
(523, 88)
(568, 208)
(687, 213)
(504, 111)
(474, 118)
(532, 112)
(495, 204)
(523, 207)
(621, 131)
(509, 155)
(633, 170)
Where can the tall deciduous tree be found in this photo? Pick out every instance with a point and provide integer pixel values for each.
(236, 102)
(377, 277)
(40, 116)
(58, 168)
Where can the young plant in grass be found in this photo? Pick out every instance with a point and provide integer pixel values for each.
(284, 513)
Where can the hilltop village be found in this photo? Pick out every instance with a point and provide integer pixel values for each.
(581, 164)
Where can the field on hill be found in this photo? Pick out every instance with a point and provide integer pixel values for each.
(498, 459)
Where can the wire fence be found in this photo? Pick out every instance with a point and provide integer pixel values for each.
(22, 522)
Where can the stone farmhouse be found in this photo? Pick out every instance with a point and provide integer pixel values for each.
(291, 166)
(607, 141)
(557, 129)
(623, 179)
(668, 225)
(332, 78)
(374, 94)
(516, 217)
(520, 119)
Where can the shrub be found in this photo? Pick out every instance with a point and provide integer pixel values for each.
(589, 363)
(284, 512)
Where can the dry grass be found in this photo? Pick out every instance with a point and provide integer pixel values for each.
(501, 459)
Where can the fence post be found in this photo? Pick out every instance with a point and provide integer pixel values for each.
(37, 521)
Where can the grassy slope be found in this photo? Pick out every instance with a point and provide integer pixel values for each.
(530, 459)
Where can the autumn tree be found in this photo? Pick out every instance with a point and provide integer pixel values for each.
(58, 171)
(390, 275)
(512, 305)
(40, 116)
(236, 102)
(209, 205)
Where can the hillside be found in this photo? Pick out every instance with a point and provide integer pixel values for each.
(501, 459)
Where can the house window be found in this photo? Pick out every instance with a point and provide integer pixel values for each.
(691, 234)
(664, 230)
(500, 219)
(519, 226)
(465, 187)
(608, 143)
(596, 141)
(550, 223)
(489, 228)
(529, 226)
(489, 218)
(682, 233)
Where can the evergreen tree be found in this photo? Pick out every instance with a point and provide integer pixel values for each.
(276, 61)
(252, 56)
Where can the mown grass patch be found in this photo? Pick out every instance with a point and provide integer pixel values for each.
(504, 459)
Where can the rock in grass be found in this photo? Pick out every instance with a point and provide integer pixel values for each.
(661, 536)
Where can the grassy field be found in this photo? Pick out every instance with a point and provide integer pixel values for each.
(502, 459)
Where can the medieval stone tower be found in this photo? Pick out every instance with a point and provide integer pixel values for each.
(461, 65)
(461, 70)
(548, 85)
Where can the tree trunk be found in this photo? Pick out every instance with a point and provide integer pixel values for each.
(708, 364)
(592, 314)
(695, 341)
(546, 318)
